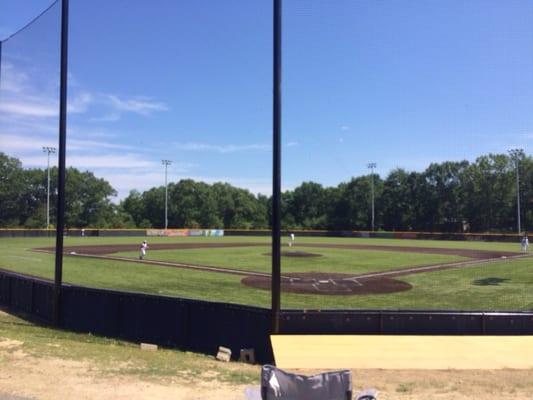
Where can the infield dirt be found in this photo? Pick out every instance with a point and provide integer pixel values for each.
(116, 248)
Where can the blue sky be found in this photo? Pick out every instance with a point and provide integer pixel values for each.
(402, 83)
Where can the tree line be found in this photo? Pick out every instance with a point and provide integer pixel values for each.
(450, 196)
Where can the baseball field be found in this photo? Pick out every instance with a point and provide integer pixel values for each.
(317, 272)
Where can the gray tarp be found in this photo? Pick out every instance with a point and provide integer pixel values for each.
(280, 385)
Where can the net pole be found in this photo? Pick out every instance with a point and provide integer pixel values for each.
(0, 64)
(276, 173)
(61, 163)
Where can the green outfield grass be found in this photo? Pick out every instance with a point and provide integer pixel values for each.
(505, 285)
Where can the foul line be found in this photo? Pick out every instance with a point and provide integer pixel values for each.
(174, 265)
(435, 267)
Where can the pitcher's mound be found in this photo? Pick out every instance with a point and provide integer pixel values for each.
(295, 253)
(329, 283)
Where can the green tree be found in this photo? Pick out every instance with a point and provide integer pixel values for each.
(396, 202)
(134, 206)
(11, 191)
(87, 199)
(308, 206)
(490, 193)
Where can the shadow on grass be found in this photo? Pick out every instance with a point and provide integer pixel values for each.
(492, 281)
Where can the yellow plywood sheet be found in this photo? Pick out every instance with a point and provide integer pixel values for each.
(402, 352)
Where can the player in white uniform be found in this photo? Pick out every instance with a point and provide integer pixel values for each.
(144, 246)
(291, 241)
(524, 244)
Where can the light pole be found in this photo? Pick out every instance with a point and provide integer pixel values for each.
(166, 163)
(372, 165)
(515, 156)
(48, 150)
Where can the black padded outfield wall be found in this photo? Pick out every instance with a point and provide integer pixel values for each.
(198, 326)
(406, 322)
(202, 326)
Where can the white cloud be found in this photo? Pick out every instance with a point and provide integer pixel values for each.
(139, 105)
(27, 108)
(80, 144)
(13, 81)
(80, 102)
(109, 161)
(97, 161)
(126, 179)
(345, 128)
(16, 143)
(292, 144)
(26, 95)
(225, 148)
(25, 126)
(111, 117)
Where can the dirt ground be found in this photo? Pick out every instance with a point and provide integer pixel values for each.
(52, 378)
(109, 249)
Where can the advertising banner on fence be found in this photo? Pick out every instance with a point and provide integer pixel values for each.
(177, 232)
(168, 232)
(404, 235)
(214, 232)
(206, 232)
(155, 232)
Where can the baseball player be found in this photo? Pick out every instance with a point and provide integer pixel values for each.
(144, 246)
(524, 244)
(291, 241)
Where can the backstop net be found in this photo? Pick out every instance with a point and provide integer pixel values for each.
(407, 130)
(29, 114)
(407, 176)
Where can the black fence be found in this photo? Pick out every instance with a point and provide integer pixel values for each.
(406, 322)
(202, 326)
(198, 326)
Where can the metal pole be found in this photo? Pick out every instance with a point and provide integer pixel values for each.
(166, 163)
(372, 166)
(166, 198)
(515, 156)
(61, 161)
(48, 193)
(48, 150)
(1, 64)
(276, 171)
(518, 197)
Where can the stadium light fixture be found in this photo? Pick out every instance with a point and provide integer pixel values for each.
(48, 150)
(166, 163)
(372, 165)
(515, 155)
